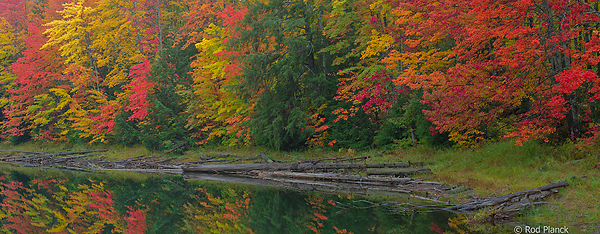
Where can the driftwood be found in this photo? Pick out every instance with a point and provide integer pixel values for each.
(265, 158)
(77, 160)
(20, 151)
(211, 160)
(50, 155)
(167, 171)
(502, 208)
(176, 147)
(298, 166)
(344, 159)
(397, 171)
(510, 202)
(74, 157)
(335, 177)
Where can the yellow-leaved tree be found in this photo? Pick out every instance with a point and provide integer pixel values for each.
(215, 110)
(8, 50)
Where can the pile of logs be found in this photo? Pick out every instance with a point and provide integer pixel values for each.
(79, 160)
(398, 168)
(502, 208)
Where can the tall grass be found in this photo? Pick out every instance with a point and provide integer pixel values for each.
(502, 168)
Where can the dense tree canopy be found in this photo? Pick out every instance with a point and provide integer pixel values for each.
(295, 74)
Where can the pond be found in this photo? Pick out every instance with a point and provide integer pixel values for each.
(45, 200)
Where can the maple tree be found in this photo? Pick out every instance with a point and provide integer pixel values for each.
(509, 69)
(215, 108)
(35, 72)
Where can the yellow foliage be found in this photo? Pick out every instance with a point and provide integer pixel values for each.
(118, 40)
(378, 44)
(216, 109)
(469, 138)
(71, 33)
(7, 43)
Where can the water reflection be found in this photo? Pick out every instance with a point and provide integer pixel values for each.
(48, 201)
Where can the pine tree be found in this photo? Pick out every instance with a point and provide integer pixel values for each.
(284, 68)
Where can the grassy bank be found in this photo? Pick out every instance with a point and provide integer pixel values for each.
(503, 168)
(493, 170)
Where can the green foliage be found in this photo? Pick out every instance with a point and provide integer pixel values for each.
(18, 139)
(284, 69)
(164, 126)
(357, 132)
(126, 131)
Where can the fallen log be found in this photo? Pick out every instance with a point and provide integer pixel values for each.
(31, 158)
(74, 157)
(160, 165)
(221, 160)
(76, 152)
(265, 158)
(50, 155)
(20, 151)
(335, 177)
(10, 158)
(341, 159)
(397, 171)
(176, 147)
(168, 171)
(510, 202)
(299, 166)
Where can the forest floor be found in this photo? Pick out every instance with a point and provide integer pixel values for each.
(492, 170)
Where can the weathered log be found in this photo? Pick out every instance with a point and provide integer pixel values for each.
(50, 155)
(523, 198)
(74, 157)
(397, 171)
(335, 177)
(176, 147)
(20, 151)
(299, 166)
(76, 152)
(355, 158)
(221, 160)
(32, 158)
(164, 160)
(265, 158)
(160, 165)
(168, 171)
(10, 158)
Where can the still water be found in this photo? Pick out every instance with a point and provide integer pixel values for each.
(51, 201)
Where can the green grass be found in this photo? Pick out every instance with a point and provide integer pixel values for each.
(503, 168)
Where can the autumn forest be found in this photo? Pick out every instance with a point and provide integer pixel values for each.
(292, 75)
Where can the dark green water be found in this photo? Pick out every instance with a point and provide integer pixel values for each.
(44, 201)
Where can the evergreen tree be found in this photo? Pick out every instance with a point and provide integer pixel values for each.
(285, 69)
